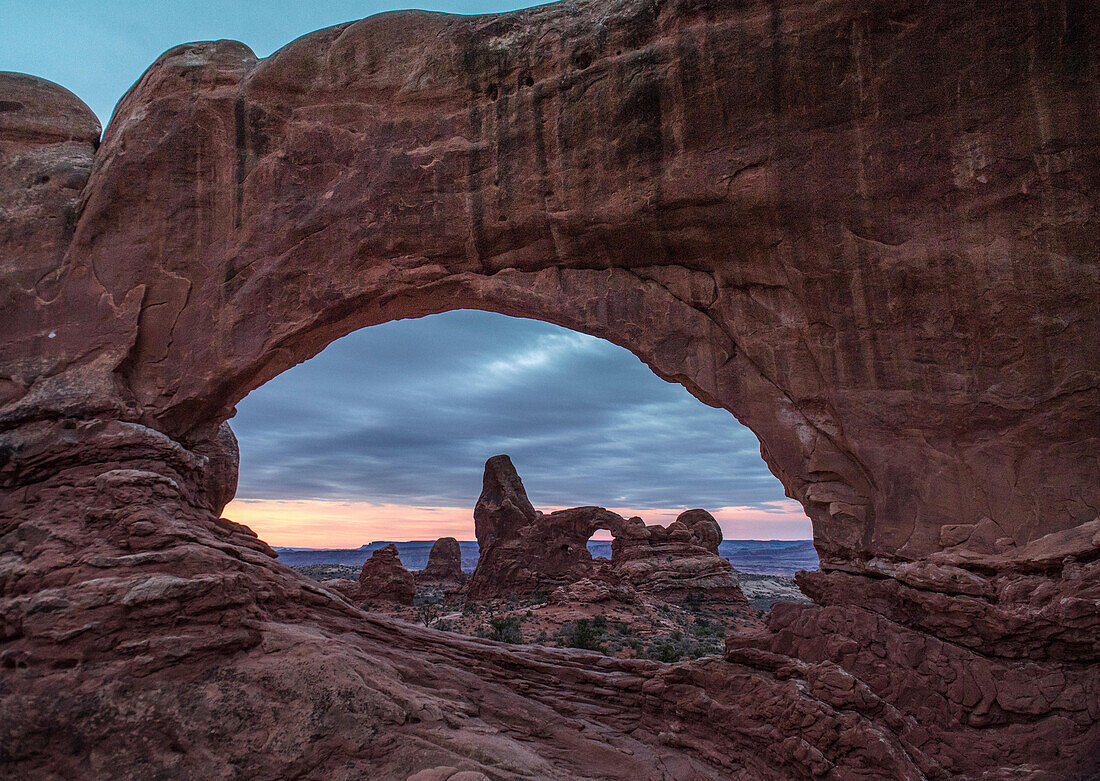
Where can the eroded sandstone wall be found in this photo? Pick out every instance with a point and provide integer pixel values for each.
(868, 237)
(870, 231)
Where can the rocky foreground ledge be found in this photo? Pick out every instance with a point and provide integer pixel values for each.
(869, 231)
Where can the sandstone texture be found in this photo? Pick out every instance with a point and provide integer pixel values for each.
(521, 550)
(676, 561)
(444, 566)
(384, 577)
(868, 230)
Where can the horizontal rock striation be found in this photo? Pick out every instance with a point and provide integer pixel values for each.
(676, 561)
(868, 230)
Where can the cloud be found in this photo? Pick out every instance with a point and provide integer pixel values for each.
(406, 413)
(320, 523)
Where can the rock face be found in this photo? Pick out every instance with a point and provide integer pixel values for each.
(444, 564)
(48, 139)
(384, 577)
(675, 561)
(868, 230)
(522, 551)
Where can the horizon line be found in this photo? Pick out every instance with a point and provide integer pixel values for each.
(474, 542)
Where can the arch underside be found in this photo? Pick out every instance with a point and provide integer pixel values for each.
(803, 214)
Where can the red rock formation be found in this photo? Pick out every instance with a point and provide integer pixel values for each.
(444, 564)
(676, 561)
(384, 577)
(523, 551)
(48, 139)
(868, 230)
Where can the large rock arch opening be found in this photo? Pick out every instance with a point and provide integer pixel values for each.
(870, 239)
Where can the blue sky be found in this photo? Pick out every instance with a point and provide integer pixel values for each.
(400, 418)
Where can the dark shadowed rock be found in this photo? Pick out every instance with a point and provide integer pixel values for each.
(444, 564)
(503, 506)
(677, 560)
(536, 552)
(383, 577)
(704, 530)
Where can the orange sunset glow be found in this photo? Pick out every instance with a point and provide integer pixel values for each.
(319, 523)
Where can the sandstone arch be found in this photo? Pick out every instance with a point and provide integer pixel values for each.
(274, 206)
(871, 239)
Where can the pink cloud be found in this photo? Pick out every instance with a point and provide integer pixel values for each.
(319, 523)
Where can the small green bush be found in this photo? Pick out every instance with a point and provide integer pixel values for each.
(665, 652)
(583, 634)
(505, 629)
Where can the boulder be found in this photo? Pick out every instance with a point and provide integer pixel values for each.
(676, 561)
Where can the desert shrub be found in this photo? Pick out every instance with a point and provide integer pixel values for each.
(694, 601)
(427, 596)
(706, 629)
(505, 629)
(429, 613)
(471, 608)
(676, 646)
(665, 652)
(583, 634)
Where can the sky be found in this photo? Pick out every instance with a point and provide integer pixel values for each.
(99, 48)
(384, 435)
